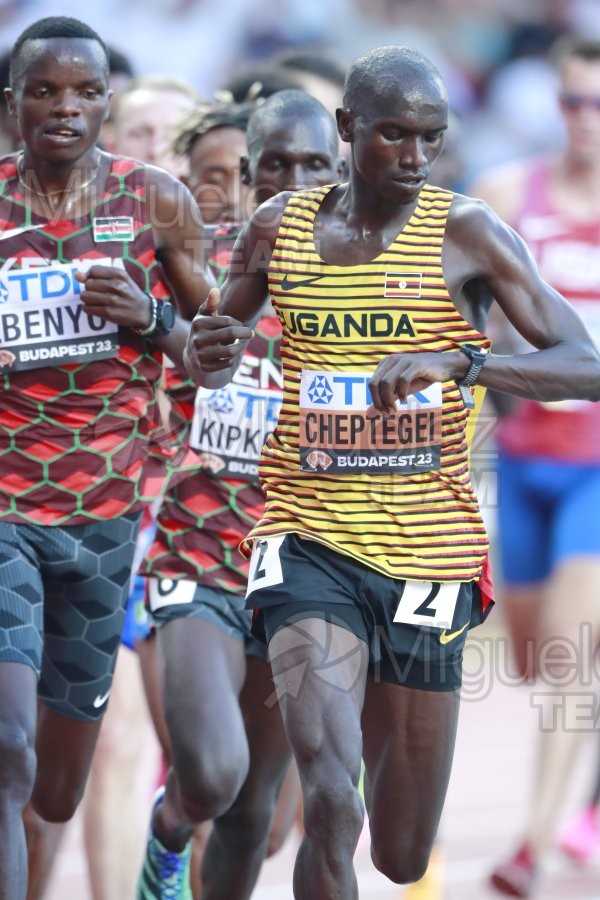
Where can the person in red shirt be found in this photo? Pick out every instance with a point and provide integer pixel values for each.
(549, 453)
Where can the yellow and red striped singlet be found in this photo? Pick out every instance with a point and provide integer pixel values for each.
(393, 493)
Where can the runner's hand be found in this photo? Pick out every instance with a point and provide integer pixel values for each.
(401, 374)
(215, 342)
(113, 295)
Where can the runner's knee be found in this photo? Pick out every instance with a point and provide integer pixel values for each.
(209, 783)
(59, 802)
(17, 762)
(333, 811)
(400, 866)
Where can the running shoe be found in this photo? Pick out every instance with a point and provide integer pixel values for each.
(579, 838)
(516, 876)
(165, 875)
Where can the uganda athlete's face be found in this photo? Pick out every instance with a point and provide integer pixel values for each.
(60, 97)
(395, 141)
(294, 156)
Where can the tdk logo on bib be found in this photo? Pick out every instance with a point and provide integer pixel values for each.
(221, 401)
(48, 284)
(350, 390)
(320, 390)
(43, 283)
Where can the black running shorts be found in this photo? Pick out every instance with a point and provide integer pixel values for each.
(415, 630)
(63, 591)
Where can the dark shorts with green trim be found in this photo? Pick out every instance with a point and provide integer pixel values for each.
(168, 599)
(63, 591)
(309, 580)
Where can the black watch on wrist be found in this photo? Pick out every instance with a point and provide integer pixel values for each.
(162, 318)
(477, 356)
(165, 318)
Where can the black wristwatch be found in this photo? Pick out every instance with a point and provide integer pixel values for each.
(162, 318)
(477, 357)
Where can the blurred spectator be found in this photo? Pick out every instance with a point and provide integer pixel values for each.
(253, 82)
(549, 466)
(120, 73)
(10, 137)
(145, 117)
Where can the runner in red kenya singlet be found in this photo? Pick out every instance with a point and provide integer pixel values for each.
(85, 313)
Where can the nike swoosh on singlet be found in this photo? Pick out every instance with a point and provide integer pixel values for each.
(13, 232)
(445, 638)
(287, 285)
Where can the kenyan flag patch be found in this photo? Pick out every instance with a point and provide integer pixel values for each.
(113, 228)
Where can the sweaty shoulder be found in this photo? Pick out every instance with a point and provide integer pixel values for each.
(266, 219)
(477, 238)
(503, 188)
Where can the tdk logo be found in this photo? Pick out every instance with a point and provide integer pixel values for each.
(221, 401)
(30, 284)
(320, 390)
(43, 283)
(350, 390)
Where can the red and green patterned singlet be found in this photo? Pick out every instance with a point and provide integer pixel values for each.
(214, 499)
(77, 400)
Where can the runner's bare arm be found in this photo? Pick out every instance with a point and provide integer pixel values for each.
(484, 257)
(113, 294)
(220, 333)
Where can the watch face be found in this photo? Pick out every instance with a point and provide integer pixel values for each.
(166, 316)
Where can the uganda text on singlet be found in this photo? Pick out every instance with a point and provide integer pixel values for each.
(77, 404)
(391, 492)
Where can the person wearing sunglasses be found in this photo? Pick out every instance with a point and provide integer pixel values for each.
(549, 456)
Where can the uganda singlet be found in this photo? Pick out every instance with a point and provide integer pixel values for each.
(78, 403)
(393, 493)
(214, 498)
(567, 254)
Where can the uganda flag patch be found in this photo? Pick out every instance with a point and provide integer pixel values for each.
(403, 284)
(113, 228)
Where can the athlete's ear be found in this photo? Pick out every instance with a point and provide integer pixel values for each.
(345, 124)
(10, 102)
(245, 170)
(109, 94)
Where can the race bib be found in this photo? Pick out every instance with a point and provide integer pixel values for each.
(42, 319)
(169, 592)
(342, 433)
(265, 564)
(428, 603)
(231, 425)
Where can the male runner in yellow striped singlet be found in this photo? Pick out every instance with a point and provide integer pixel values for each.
(369, 561)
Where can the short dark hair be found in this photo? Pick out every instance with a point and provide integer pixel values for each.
(259, 81)
(207, 117)
(53, 27)
(380, 69)
(294, 104)
(119, 63)
(312, 62)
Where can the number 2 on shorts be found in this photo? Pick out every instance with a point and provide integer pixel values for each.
(428, 603)
(265, 565)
